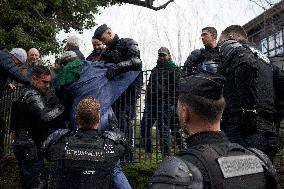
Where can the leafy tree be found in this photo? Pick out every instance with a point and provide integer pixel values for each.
(35, 23)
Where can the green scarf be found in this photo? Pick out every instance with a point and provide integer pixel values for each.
(168, 64)
(69, 74)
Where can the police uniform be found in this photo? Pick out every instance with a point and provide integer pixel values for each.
(206, 59)
(125, 53)
(248, 118)
(84, 159)
(211, 160)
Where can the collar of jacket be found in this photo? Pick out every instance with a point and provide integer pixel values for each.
(31, 87)
(167, 64)
(114, 41)
(87, 132)
(211, 48)
(207, 137)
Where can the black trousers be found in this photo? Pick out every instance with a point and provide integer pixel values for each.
(31, 166)
(162, 116)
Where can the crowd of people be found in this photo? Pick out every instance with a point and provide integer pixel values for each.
(79, 113)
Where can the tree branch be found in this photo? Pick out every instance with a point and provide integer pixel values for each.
(147, 3)
(258, 3)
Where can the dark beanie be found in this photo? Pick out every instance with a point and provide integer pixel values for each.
(100, 30)
(203, 84)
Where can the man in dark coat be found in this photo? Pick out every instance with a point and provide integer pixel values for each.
(9, 69)
(32, 120)
(211, 160)
(206, 58)
(248, 118)
(124, 52)
(160, 102)
(98, 47)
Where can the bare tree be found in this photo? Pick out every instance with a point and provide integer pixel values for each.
(147, 3)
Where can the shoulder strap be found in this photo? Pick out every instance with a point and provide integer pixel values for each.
(206, 155)
(54, 137)
(268, 167)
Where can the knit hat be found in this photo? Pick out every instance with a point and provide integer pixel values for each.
(20, 54)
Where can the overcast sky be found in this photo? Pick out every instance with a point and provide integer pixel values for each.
(177, 27)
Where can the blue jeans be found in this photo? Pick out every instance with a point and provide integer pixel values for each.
(120, 180)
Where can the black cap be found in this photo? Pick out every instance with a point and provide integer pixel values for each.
(100, 30)
(204, 84)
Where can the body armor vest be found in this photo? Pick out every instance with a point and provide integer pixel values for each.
(228, 166)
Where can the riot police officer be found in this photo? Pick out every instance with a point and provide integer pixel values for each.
(32, 120)
(206, 58)
(124, 52)
(211, 160)
(85, 159)
(248, 118)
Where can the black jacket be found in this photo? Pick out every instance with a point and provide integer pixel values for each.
(162, 86)
(124, 52)
(94, 56)
(32, 113)
(199, 56)
(249, 80)
(8, 69)
(84, 159)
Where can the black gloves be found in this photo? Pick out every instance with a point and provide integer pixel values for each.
(111, 73)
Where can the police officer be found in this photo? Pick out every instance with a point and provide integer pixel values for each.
(32, 120)
(124, 52)
(206, 58)
(85, 159)
(211, 160)
(248, 118)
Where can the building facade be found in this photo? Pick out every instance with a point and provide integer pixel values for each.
(266, 31)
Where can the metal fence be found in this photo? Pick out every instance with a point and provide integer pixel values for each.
(146, 113)
(5, 113)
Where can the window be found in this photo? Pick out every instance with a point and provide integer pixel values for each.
(273, 44)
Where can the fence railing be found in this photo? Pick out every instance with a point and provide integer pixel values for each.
(146, 114)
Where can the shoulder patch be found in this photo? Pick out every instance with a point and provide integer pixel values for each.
(234, 166)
